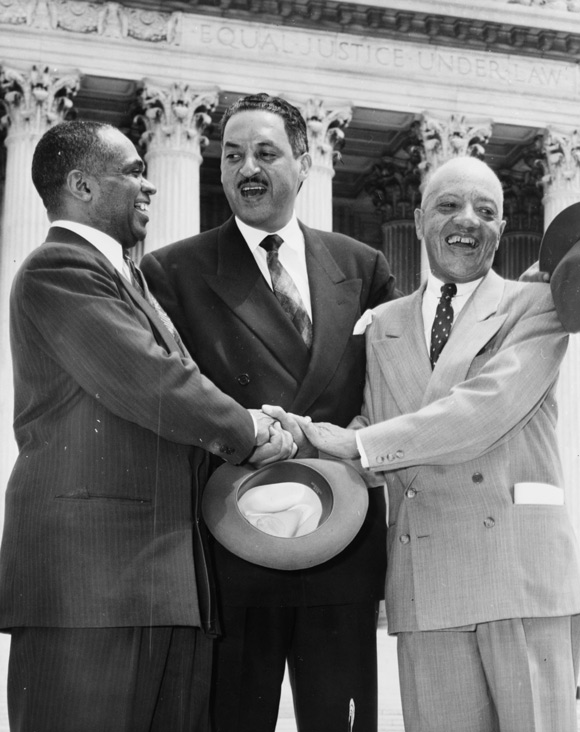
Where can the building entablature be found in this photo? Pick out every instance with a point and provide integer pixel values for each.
(549, 29)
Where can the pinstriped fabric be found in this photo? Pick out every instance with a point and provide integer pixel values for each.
(514, 674)
(100, 680)
(99, 507)
(138, 281)
(460, 551)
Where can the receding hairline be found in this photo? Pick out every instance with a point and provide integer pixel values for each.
(463, 166)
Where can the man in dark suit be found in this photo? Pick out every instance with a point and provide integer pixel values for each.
(98, 584)
(229, 299)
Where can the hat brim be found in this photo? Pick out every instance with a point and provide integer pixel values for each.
(560, 236)
(341, 520)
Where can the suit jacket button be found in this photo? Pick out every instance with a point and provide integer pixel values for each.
(405, 539)
(489, 522)
(243, 379)
(411, 493)
(477, 478)
(399, 454)
(390, 457)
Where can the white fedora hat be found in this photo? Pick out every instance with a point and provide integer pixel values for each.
(290, 515)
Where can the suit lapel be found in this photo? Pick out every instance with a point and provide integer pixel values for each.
(157, 325)
(335, 308)
(401, 341)
(66, 236)
(238, 282)
(475, 326)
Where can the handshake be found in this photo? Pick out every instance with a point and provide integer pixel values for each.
(282, 435)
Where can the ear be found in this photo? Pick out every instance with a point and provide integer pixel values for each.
(419, 223)
(305, 165)
(79, 185)
(501, 228)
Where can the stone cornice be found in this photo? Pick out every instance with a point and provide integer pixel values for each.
(507, 28)
(512, 34)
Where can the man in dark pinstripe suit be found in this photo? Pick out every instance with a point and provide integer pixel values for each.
(98, 583)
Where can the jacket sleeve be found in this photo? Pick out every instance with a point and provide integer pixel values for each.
(104, 343)
(565, 285)
(383, 285)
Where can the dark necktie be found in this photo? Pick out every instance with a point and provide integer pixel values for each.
(139, 283)
(443, 322)
(285, 289)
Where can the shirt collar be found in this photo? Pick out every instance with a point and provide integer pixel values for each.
(108, 246)
(291, 233)
(464, 289)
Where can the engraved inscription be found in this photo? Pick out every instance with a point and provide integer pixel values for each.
(376, 55)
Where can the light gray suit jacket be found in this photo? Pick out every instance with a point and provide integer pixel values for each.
(456, 441)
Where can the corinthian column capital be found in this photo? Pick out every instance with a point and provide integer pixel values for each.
(33, 101)
(562, 157)
(176, 116)
(456, 136)
(325, 125)
(556, 159)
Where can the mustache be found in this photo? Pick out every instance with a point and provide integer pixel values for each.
(256, 179)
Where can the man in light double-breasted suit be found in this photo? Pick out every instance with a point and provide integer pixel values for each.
(483, 581)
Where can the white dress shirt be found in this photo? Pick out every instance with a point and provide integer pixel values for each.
(292, 255)
(108, 246)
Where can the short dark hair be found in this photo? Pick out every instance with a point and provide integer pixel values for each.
(294, 122)
(67, 146)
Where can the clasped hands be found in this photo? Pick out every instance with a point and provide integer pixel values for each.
(282, 435)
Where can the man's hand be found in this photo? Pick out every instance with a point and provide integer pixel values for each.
(290, 424)
(533, 274)
(329, 438)
(280, 446)
(262, 423)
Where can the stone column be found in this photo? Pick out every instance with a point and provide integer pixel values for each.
(175, 118)
(561, 181)
(393, 186)
(444, 139)
(523, 211)
(325, 125)
(31, 103)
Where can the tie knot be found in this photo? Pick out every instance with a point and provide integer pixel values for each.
(272, 242)
(128, 261)
(448, 291)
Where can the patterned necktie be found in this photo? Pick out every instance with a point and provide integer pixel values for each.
(286, 290)
(443, 322)
(139, 283)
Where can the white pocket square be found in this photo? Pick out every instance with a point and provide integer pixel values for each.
(363, 322)
(538, 493)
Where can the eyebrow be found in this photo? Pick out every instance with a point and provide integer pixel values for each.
(483, 198)
(263, 143)
(136, 163)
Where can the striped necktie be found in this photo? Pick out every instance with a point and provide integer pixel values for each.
(285, 289)
(139, 283)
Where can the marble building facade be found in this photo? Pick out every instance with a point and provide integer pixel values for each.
(389, 89)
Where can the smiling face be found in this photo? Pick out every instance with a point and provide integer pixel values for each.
(460, 220)
(121, 195)
(260, 175)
